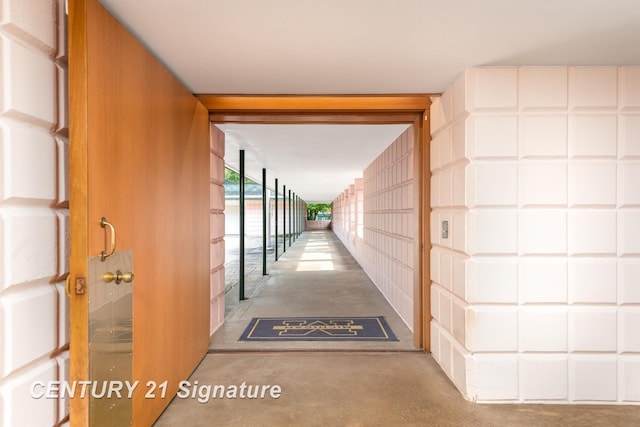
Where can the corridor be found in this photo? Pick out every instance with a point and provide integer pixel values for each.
(341, 383)
(316, 276)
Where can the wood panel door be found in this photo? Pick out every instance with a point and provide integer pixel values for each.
(139, 156)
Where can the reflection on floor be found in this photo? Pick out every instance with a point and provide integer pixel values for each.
(340, 384)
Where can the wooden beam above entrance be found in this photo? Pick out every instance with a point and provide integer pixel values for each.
(313, 118)
(316, 103)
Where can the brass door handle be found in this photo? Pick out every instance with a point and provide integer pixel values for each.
(104, 224)
(118, 277)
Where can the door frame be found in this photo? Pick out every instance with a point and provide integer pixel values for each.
(355, 109)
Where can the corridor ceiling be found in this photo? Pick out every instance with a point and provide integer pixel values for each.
(316, 162)
(368, 47)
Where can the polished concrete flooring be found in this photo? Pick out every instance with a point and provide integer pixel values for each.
(341, 384)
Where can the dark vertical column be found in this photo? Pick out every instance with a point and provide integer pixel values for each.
(284, 218)
(242, 213)
(289, 217)
(264, 222)
(300, 219)
(295, 219)
(276, 221)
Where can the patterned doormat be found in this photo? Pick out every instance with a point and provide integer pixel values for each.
(318, 329)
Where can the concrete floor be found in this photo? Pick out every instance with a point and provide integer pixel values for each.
(343, 384)
(316, 276)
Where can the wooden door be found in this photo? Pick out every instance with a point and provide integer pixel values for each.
(139, 156)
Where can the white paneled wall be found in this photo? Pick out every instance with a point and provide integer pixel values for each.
(374, 220)
(536, 290)
(34, 218)
(217, 229)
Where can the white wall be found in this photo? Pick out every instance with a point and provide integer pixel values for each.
(33, 208)
(217, 206)
(374, 219)
(536, 292)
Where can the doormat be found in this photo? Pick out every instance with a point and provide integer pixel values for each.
(318, 329)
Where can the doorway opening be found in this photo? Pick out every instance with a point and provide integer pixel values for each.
(367, 110)
(310, 165)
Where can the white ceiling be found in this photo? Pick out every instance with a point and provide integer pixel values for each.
(317, 162)
(367, 47)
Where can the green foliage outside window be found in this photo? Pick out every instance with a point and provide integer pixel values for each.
(318, 211)
(233, 176)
